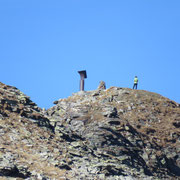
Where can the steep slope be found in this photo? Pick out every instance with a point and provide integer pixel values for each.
(28, 147)
(120, 132)
(117, 133)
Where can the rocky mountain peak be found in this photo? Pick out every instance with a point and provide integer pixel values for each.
(115, 133)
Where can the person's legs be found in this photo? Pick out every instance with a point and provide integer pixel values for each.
(136, 86)
(133, 86)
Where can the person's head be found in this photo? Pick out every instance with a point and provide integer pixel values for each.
(135, 76)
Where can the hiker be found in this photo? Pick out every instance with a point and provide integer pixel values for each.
(135, 82)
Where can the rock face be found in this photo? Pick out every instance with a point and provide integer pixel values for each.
(28, 148)
(118, 133)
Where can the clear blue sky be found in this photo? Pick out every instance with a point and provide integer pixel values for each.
(43, 43)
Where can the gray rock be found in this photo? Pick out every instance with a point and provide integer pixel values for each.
(102, 85)
(110, 112)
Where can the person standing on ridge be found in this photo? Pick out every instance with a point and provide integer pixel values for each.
(135, 82)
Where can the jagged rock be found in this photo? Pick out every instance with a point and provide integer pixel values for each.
(117, 136)
(110, 112)
(117, 133)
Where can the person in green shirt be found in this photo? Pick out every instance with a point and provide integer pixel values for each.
(135, 82)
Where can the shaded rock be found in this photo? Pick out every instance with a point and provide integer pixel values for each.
(110, 112)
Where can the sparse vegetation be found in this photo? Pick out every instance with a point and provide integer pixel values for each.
(101, 134)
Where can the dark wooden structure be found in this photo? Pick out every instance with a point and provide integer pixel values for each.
(83, 76)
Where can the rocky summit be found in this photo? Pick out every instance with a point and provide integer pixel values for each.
(113, 134)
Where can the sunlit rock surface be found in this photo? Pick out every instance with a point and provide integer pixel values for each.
(115, 133)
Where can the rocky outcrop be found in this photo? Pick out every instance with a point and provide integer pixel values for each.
(120, 132)
(115, 133)
(102, 85)
(15, 103)
(28, 147)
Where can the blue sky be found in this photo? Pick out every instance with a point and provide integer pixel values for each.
(44, 43)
